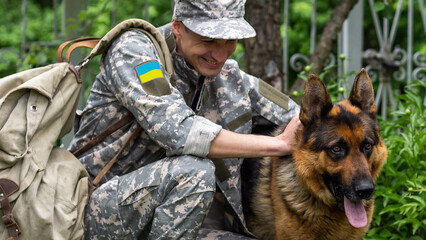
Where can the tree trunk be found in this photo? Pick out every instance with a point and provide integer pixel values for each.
(263, 54)
(328, 36)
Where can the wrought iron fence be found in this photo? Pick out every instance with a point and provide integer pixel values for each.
(391, 62)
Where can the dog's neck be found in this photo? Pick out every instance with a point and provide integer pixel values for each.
(291, 189)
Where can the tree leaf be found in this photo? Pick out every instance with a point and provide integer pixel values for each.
(379, 6)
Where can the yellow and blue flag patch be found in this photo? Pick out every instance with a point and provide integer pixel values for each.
(152, 79)
(149, 71)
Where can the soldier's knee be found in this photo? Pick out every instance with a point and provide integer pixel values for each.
(198, 169)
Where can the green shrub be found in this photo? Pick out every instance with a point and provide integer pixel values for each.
(401, 188)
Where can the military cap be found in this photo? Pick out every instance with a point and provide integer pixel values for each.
(217, 19)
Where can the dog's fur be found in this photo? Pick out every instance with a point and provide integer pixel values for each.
(338, 159)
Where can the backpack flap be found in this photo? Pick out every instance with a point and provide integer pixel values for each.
(43, 105)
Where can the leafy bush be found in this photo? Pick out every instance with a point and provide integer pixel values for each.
(401, 188)
(337, 86)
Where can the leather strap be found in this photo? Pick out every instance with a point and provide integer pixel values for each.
(114, 127)
(7, 188)
(84, 42)
(107, 167)
(87, 44)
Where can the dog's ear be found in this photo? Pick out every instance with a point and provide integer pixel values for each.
(316, 101)
(362, 94)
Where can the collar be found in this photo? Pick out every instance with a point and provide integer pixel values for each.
(182, 69)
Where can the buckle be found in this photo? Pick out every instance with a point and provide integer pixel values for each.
(8, 220)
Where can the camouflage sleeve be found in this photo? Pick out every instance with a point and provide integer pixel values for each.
(269, 102)
(158, 107)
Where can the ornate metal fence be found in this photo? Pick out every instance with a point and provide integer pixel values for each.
(391, 62)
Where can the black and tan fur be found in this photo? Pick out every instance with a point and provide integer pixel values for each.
(339, 153)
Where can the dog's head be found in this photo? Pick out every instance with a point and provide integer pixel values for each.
(341, 152)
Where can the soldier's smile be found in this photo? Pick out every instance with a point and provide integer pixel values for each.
(211, 62)
(206, 55)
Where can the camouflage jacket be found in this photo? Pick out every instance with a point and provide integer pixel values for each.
(229, 100)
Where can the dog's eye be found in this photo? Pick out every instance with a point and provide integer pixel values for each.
(336, 148)
(337, 151)
(368, 146)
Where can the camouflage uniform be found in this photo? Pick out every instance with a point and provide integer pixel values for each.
(163, 185)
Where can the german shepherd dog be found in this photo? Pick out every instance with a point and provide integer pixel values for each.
(325, 189)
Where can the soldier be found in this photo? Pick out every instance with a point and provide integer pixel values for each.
(195, 130)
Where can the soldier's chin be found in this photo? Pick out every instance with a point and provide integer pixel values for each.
(209, 72)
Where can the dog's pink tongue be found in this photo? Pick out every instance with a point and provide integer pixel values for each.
(355, 212)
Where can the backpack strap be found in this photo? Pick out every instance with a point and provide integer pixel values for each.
(101, 45)
(107, 167)
(7, 188)
(89, 42)
(114, 127)
(165, 56)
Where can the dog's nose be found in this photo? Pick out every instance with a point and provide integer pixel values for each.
(364, 189)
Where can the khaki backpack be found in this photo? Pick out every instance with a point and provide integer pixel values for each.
(43, 187)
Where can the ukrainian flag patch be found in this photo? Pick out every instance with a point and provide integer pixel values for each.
(152, 79)
(149, 71)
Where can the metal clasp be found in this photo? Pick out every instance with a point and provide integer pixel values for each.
(82, 64)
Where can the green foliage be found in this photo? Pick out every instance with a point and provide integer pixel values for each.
(387, 9)
(383, 8)
(238, 55)
(95, 20)
(98, 15)
(401, 188)
(337, 86)
(37, 56)
(11, 58)
(299, 23)
(299, 28)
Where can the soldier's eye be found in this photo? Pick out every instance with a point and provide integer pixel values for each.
(208, 40)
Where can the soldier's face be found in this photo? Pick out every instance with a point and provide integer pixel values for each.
(207, 56)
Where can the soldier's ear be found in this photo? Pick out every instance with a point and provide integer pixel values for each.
(316, 101)
(177, 28)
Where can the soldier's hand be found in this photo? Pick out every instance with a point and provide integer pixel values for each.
(288, 136)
